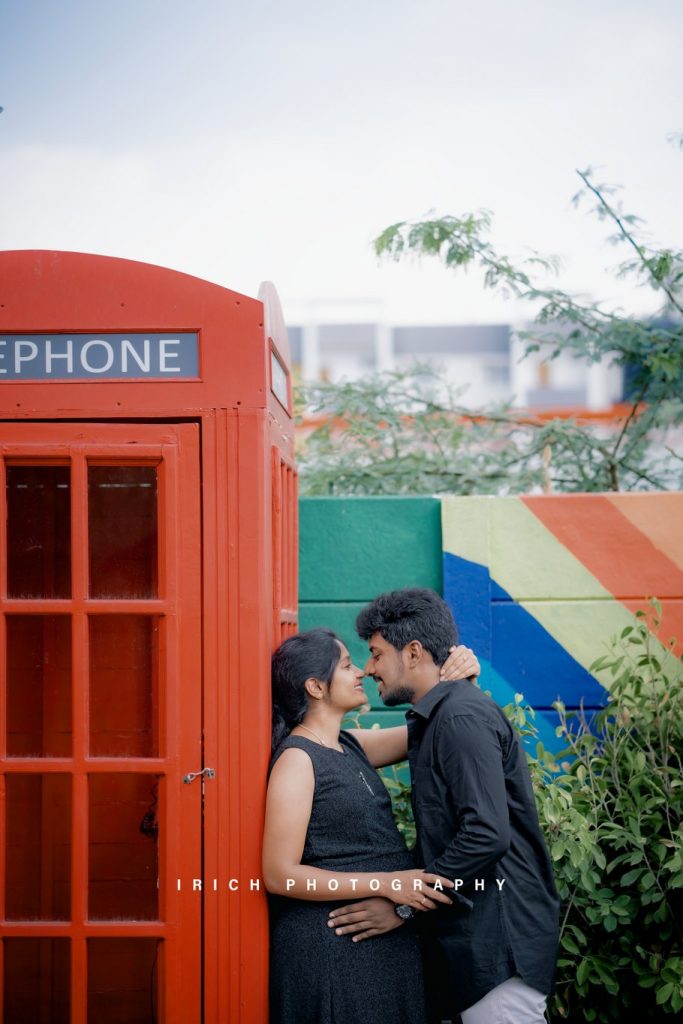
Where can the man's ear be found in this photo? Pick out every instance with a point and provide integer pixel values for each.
(413, 652)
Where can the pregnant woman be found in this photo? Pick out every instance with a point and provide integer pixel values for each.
(330, 837)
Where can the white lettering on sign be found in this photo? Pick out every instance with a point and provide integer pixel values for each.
(19, 358)
(142, 361)
(68, 355)
(84, 356)
(108, 359)
(165, 355)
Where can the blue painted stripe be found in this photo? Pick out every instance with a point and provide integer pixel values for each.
(467, 589)
(503, 693)
(518, 648)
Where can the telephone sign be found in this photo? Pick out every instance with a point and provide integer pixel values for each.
(94, 356)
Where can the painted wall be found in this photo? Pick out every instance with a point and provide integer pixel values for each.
(538, 585)
(350, 550)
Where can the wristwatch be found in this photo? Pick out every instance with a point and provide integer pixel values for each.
(404, 911)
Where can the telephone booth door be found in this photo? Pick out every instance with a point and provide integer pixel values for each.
(100, 727)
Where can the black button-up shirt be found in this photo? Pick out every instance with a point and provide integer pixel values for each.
(476, 822)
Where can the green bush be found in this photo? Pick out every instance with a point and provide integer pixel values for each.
(611, 807)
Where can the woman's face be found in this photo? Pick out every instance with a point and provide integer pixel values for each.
(346, 688)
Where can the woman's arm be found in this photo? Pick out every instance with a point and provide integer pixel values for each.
(383, 746)
(288, 811)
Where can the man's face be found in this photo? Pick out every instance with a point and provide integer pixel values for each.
(386, 667)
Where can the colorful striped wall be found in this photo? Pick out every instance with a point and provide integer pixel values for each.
(538, 585)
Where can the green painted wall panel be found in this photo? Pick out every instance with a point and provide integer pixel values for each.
(352, 549)
(339, 616)
(342, 619)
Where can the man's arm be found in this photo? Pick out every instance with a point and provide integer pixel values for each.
(470, 760)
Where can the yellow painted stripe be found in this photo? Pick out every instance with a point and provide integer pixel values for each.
(528, 561)
(585, 628)
(465, 527)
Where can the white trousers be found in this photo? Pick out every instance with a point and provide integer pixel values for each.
(513, 1002)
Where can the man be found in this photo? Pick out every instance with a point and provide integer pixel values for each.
(496, 946)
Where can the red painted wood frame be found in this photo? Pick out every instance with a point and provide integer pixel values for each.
(250, 586)
(285, 529)
(173, 450)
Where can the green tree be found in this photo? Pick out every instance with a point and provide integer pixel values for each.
(407, 432)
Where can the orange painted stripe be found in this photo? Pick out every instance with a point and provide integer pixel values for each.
(618, 554)
(615, 551)
(659, 517)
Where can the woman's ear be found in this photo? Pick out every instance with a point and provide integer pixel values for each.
(314, 688)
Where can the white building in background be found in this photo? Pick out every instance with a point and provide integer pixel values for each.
(485, 359)
(542, 383)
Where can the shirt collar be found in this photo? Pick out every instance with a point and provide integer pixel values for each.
(426, 705)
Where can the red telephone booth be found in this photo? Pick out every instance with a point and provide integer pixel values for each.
(147, 567)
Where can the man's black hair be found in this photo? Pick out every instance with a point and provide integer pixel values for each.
(411, 614)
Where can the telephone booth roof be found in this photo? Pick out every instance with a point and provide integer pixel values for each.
(151, 341)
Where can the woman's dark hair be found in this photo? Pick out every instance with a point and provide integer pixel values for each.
(311, 655)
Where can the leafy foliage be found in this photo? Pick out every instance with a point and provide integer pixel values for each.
(394, 778)
(611, 808)
(405, 432)
(614, 824)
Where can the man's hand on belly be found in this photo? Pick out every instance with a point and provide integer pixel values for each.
(365, 918)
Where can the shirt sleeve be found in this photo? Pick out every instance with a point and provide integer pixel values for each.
(470, 762)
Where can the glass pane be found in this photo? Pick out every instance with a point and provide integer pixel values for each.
(123, 860)
(38, 875)
(123, 686)
(122, 518)
(38, 531)
(37, 981)
(123, 980)
(38, 686)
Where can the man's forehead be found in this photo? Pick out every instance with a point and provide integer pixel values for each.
(378, 641)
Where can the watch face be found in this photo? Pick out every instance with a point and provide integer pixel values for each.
(404, 911)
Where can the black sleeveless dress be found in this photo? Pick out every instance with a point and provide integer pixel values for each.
(317, 977)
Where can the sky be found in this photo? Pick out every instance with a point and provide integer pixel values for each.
(247, 141)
